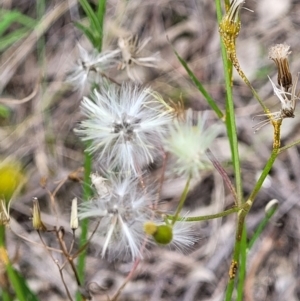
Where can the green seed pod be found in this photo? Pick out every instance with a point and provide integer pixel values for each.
(163, 235)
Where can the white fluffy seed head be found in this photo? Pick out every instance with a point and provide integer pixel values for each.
(184, 236)
(89, 67)
(131, 48)
(188, 142)
(180, 236)
(279, 52)
(121, 214)
(125, 126)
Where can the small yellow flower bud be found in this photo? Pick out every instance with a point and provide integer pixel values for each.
(36, 217)
(150, 228)
(74, 217)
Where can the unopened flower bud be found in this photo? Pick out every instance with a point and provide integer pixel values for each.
(162, 234)
(271, 207)
(4, 213)
(279, 54)
(36, 217)
(230, 25)
(74, 217)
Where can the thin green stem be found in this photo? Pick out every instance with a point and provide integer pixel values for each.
(282, 149)
(241, 218)
(2, 236)
(205, 217)
(230, 115)
(263, 176)
(243, 262)
(182, 200)
(236, 257)
(87, 192)
(262, 225)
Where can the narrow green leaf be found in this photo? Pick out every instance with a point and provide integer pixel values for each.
(7, 18)
(87, 32)
(262, 225)
(95, 24)
(4, 294)
(4, 111)
(200, 87)
(6, 21)
(100, 15)
(17, 281)
(12, 37)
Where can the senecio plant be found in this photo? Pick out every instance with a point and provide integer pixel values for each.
(127, 128)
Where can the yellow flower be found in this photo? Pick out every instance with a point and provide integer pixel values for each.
(10, 178)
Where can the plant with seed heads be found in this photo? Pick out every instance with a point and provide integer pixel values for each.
(130, 130)
(125, 126)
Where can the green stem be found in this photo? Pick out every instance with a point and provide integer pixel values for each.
(2, 236)
(235, 257)
(263, 176)
(182, 200)
(242, 269)
(230, 116)
(205, 217)
(87, 192)
(241, 218)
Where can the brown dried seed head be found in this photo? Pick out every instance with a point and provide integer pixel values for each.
(279, 54)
